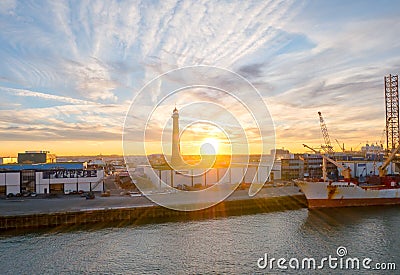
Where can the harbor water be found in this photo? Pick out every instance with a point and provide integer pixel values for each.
(232, 245)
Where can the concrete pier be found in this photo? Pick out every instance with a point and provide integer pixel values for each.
(130, 211)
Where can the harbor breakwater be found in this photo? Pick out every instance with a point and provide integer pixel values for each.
(123, 216)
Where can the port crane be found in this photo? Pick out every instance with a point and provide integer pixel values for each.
(341, 148)
(382, 169)
(346, 171)
(382, 138)
(325, 134)
(355, 148)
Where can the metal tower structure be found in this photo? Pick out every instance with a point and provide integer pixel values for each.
(176, 158)
(328, 146)
(392, 111)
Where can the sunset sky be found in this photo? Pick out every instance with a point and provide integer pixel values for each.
(70, 69)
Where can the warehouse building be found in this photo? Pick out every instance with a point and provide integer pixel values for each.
(305, 165)
(310, 166)
(236, 174)
(49, 178)
(8, 160)
(36, 157)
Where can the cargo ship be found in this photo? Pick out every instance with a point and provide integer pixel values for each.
(379, 190)
(338, 194)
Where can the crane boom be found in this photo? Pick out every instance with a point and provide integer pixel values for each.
(342, 148)
(382, 169)
(382, 138)
(325, 134)
(346, 171)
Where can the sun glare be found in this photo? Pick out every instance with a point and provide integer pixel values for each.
(210, 146)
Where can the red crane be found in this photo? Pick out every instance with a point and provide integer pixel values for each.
(328, 146)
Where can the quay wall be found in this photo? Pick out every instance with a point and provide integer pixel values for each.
(150, 214)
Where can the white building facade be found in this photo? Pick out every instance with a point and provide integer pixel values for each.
(206, 177)
(51, 181)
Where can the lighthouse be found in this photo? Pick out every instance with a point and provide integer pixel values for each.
(175, 159)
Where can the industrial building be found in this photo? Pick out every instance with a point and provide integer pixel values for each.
(36, 157)
(8, 160)
(292, 168)
(49, 178)
(310, 165)
(305, 165)
(206, 176)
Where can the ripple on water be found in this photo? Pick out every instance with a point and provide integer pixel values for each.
(226, 245)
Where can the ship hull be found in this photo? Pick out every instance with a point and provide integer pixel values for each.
(322, 203)
(343, 194)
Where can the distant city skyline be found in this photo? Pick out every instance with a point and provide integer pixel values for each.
(69, 70)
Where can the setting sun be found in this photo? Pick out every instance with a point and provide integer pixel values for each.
(209, 146)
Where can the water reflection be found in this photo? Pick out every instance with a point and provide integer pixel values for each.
(225, 245)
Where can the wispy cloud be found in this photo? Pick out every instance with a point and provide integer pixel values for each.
(7, 6)
(77, 65)
(28, 93)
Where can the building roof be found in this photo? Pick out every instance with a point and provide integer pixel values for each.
(42, 166)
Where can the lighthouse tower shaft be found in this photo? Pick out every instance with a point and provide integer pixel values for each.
(175, 159)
